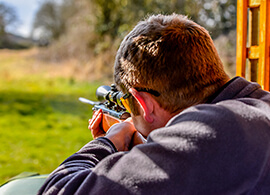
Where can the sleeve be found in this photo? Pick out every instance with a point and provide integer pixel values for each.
(77, 167)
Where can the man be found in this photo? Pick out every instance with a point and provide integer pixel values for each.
(205, 134)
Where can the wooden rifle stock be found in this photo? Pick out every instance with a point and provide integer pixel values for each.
(110, 117)
(108, 121)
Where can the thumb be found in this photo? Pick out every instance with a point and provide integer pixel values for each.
(138, 139)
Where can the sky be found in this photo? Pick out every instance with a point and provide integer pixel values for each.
(25, 10)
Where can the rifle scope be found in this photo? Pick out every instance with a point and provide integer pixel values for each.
(111, 95)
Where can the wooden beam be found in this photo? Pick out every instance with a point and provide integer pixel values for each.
(241, 37)
(253, 52)
(263, 66)
(254, 3)
(265, 42)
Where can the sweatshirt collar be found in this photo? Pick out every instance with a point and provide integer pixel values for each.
(235, 88)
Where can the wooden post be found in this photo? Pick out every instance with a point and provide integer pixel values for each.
(257, 53)
(241, 38)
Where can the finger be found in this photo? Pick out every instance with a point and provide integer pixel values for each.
(95, 128)
(138, 139)
(94, 116)
(89, 122)
(129, 119)
(96, 121)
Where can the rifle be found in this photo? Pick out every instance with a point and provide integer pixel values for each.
(111, 105)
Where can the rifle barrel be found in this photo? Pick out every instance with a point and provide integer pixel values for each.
(84, 100)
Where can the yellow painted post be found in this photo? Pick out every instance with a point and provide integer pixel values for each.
(253, 50)
(264, 45)
(241, 39)
(258, 50)
(267, 46)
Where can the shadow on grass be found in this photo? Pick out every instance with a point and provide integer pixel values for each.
(38, 131)
(25, 103)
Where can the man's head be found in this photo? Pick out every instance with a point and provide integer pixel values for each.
(173, 56)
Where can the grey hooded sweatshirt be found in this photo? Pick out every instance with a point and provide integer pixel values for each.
(220, 147)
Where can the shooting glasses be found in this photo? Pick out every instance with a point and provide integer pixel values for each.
(124, 98)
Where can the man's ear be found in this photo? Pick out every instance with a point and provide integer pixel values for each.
(145, 101)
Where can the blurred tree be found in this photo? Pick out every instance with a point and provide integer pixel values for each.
(117, 16)
(112, 20)
(51, 19)
(8, 17)
(219, 17)
(94, 28)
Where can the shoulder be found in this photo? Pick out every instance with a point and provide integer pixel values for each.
(224, 143)
(235, 110)
(235, 122)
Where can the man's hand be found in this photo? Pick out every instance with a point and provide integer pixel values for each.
(124, 135)
(95, 124)
(137, 139)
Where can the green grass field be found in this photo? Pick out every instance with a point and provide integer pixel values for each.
(41, 120)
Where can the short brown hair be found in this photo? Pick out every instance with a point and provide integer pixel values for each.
(172, 55)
